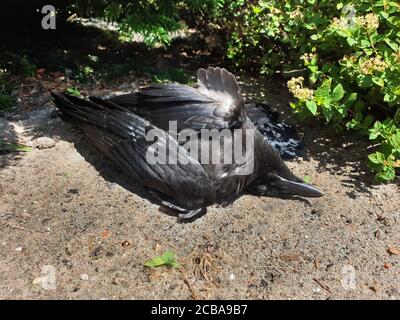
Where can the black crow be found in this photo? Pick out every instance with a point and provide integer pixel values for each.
(120, 126)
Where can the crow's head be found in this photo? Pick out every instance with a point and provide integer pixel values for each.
(275, 178)
(276, 185)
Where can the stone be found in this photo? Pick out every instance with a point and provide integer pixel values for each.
(45, 143)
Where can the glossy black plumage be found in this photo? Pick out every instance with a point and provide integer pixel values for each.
(118, 127)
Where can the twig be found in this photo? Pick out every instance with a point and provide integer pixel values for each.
(186, 280)
(289, 72)
(322, 285)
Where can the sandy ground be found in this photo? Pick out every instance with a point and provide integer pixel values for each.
(74, 226)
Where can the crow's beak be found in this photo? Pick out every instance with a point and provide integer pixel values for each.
(298, 188)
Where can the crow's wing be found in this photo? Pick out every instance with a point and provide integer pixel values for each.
(122, 136)
(281, 136)
(214, 104)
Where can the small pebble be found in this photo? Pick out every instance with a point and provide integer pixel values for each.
(37, 280)
(45, 143)
(387, 265)
(375, 287)
(73, 191)
(231, 277)
(393, 251)
(19, 249)
(84, 277)
(125, 244)
(112, 185)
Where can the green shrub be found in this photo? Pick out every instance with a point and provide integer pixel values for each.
(346, 54)
(153, 20)
(16, 64)
(6, 102)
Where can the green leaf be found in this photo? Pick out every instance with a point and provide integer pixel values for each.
(307, 179)
(373, 135)
(14, 147)
(315, 37)
(389, 97)
(312, 106)
(387, 174)
(393, 45)
(256, 10)
(378, 81)
(322, 94)
(74, 91)
(377, 157)
(365, 81)
(351, 98)
(17, 147)
(328, 112)
(167, 259)
(338, 93)
(351, 41)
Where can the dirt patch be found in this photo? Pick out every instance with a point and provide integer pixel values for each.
(69, 212)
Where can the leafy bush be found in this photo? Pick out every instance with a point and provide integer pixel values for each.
(6, 102)
(16, 64)
(154, 20)
(346, 54)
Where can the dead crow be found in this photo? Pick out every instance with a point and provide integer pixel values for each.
(135, 131)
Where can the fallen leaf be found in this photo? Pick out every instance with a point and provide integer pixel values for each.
(167, 259)
(289, 258)
(375, 287)
(40, 71)
(393, 251)
(105, 234)
(317, 263)
(387, 265)
(57, 74)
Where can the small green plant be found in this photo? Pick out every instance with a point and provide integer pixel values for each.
(307, 179)
(387, 159)
(360, 83)
(17, 64)
(73, 91)
(6, 102)
(84, 74)
(346, 55)
(167, 259)
(13, 147)
(154, 20)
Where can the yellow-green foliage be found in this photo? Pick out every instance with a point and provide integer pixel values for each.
(348, 53)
